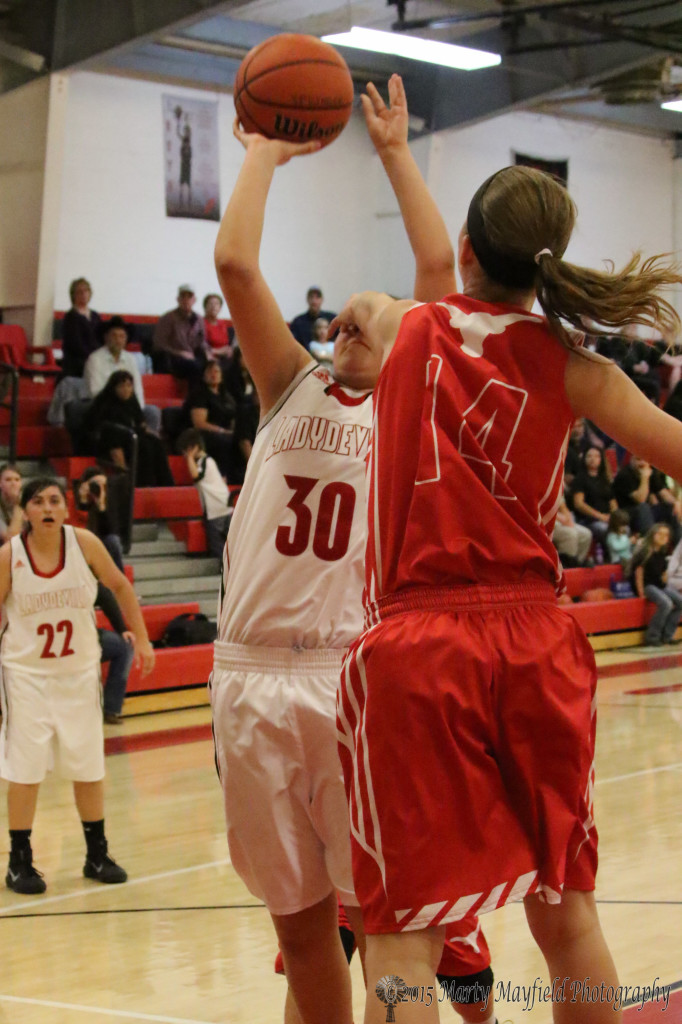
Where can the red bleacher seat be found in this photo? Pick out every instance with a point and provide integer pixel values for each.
(163, 389)
(166, 503)
(156, 616)
(15, 349)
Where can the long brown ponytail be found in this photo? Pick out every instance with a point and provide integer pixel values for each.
(524, 212)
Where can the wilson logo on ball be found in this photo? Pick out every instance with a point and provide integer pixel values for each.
(294, 87)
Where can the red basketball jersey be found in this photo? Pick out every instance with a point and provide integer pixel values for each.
(471, 423)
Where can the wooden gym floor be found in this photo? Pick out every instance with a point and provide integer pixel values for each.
(184, 943)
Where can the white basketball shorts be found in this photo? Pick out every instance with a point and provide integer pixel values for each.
(274, 720)
(51, 721)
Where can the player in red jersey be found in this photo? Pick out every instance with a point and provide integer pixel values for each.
(291, 596)
(466, 710)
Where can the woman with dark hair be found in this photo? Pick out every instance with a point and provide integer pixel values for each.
(466, 709)
(216, 331)
(649, 572)
(114, 413)
(593, 497)
(211, 409)
(50, 675)
(81, 329)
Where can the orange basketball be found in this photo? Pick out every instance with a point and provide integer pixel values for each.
(294, 87)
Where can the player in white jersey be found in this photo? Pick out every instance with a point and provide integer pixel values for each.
(290, 599)
(51, 695)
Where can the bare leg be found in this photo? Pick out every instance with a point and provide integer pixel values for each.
(315, 963)
(21, 804)
(414, 957)
(291, 1014)
(90, 799)
(354, 915)
(571, 940)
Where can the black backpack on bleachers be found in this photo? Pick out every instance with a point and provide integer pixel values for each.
(187, 629)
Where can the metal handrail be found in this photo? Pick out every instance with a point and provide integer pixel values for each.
(13, 405)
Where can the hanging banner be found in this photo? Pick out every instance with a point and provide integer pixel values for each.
(559, 168)
(191, 158)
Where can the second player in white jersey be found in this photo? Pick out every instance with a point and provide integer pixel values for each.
(292, 569)
(49, 620)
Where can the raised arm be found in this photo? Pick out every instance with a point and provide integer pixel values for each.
(429, 239)
(598, 389)
(272, 354)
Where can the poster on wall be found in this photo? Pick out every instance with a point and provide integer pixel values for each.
(559, 168)
(191, 158)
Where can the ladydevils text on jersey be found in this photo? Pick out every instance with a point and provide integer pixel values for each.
(49, 621)
(293, 562)
(466, 470)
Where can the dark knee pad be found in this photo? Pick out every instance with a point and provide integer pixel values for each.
(468, 988)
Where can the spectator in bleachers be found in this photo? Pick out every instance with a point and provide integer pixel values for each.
(578, 443)
(640, 363)
(114, 413)
(572, 541)
(618, 540)
(118, 648)
(650, 580)
(593, 497)
(216, 331)
(112, 356)
(245, 430)
(180, 347)
(81, 329)
(644, 493)
(302, 325)
(215, 497)
(673, 405)
(102, 509)
(675, 568)
(238, 380)
(11, 518)
(210, 408)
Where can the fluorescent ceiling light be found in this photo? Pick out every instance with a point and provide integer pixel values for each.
(428, 50)
(673, 105)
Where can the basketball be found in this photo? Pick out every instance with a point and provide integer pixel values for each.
(294, 87)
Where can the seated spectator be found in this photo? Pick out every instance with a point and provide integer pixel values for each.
(179, 344)
(593, 498)
(210, 408)
(213, 491)
(578, 443)
(650, 580)
(618, 540)
(11, 517)
(320, 347)
(118, 648)
(572, 541)
(675, 568)
(673, 405)
(112, 356)
(246, 428)
(302, 325)
(80, 329)
(114, 413)
(643, 492)
(216, 331)
(640, 362)
(237, 379)
(93, 496)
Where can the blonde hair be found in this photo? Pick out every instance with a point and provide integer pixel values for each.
(525, 211)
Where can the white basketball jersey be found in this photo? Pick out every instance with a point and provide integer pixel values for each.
(294, 560)
(49, 621)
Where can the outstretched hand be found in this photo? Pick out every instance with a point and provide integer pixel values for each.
(281, 150)
(387, 126)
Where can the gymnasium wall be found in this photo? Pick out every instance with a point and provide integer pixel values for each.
(331, 218)
(23, 129)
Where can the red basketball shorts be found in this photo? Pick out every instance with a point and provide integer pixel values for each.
(466, 724)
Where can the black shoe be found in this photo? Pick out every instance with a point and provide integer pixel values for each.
(22, 876)
(112, 718)
(104, 869)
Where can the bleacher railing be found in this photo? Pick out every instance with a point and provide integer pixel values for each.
(9, 399)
